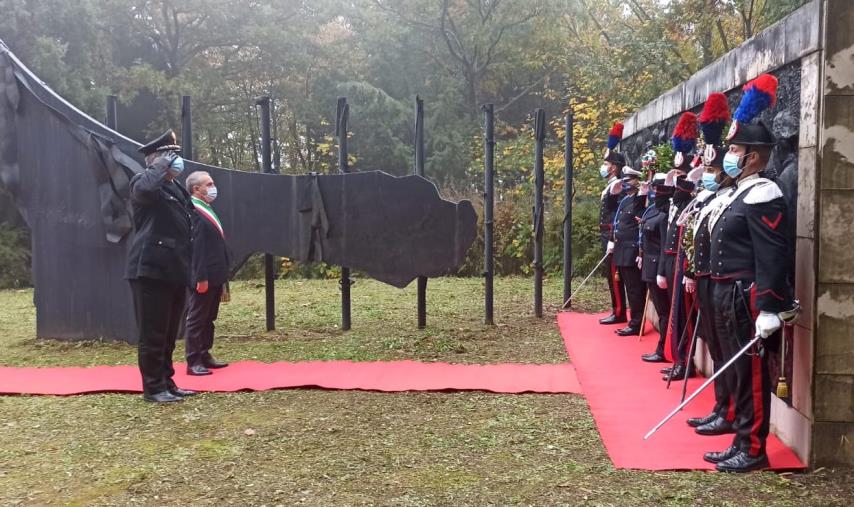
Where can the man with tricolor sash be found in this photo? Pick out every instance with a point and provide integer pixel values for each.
(209, 275)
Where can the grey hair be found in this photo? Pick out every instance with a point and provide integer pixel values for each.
(194, 179)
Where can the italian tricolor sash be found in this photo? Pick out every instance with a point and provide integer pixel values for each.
(206, 211)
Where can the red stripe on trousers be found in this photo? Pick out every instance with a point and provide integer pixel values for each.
(758, 409)
(618, 310)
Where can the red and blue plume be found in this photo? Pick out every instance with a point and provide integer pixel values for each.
(685, 134)
(714, 117)
(759, 95)
(615, 135)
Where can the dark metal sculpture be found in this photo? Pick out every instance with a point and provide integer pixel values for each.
(539, 208)
(69, 175)
(419, 170)
(488, 208)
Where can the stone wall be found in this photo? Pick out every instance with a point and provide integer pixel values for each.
(833, 210)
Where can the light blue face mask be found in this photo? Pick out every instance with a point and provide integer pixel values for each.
(732, 165)
(603, 170)
(710, 183)
(177, 165)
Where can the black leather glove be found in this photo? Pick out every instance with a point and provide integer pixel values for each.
(163, 161)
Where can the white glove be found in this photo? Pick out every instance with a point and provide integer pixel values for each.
(610, 248)
(639, 261)
(644, 188)
(661, 281)
(690, 284)
(767, 323)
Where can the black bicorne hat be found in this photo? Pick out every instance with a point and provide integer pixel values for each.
(615, 158)
(752, 134)
(165, 142)
(684, 184)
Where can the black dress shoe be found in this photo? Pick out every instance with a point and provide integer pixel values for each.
(742, 462)
(161, 397)
(213, 363)
(197, 370)
(655, 357)
(717, 457)
(182, 393)
(719, 426)
(678, 373)
(613, 319)
(666, 370)
(699, 421)
(628, 331)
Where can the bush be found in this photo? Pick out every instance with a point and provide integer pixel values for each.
(14, 258)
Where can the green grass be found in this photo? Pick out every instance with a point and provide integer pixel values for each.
(308, 316)
(314, 447)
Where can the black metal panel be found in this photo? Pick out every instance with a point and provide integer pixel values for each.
(69, 173)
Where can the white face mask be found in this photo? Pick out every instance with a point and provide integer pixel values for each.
(603, 171)
(211, 194)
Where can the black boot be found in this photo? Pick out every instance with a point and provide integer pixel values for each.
(628, 331)
(717, 457)
(719, 426)
(213, 364)
(742, 462)
(613, 319)
(699, 421)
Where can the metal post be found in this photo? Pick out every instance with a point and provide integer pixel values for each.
(186, 128)
(488, 205)
(567, 209)
(267, 167)
(112, 115)
(539, 177)
(419, 170)
(341, 117)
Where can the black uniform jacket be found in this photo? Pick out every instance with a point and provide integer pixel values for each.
(210, 254)
(653, 230)
(607, 210)
(161, 246)
(671, 242)
(702, 235)
(626, 232)
(748, 243)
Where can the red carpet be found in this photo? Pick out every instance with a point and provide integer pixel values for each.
(390, 376)
(627, 398)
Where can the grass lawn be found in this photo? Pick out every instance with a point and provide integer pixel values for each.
(315, 447)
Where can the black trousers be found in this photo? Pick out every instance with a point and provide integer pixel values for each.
(615, 287)
(201, 313)
(635, 292)
(681, 326)
(662, 308)
(158, 307)
(725, 384)
(735, 327)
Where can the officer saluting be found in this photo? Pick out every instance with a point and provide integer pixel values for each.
(625, 246)
(610, 200)
(671, 267)
(748, 244)
(653, 232)
(158, 264)
(718, 184)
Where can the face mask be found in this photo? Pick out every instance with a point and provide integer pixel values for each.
(732, 165)
(628, 187)
(710, 182)
(177, 165)
(603, 171)
(211, 194)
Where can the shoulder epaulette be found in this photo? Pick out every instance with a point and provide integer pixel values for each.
(764, 191)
